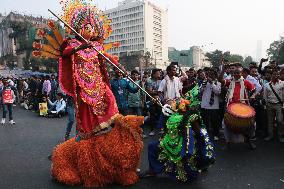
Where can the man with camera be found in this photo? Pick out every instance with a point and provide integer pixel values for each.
(272, 64)
(211, 90)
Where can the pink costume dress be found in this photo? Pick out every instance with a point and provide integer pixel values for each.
(83, 76)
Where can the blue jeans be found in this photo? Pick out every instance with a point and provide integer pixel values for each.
(71, 118)
(153, 157)
(10, 109)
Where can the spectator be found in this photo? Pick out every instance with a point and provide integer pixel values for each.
(254, 81)
(54, 86)
(1, 86)
(254, 73)
(135, 101)
(57, 108)
(210, 90)
(169, 90)
(190, 82)
(230, 71)
(43, 106)
(200, 77)
(71, 116)
(120, 87)
(152, 86)
(33, 87)
(252, 65)
(171, 86)
(8, 98)
(46, 87)
(10, 81)
(22, 88)
(273, 95)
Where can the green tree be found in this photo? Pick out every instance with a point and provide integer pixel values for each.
(276, 50)
(247, 61)
(280, 59)
(236, 58)
(215, 57)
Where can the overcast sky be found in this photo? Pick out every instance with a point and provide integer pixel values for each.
(234, 25)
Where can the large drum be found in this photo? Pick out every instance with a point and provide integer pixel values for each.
(239, 117)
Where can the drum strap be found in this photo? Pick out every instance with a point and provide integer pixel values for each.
(279, 99)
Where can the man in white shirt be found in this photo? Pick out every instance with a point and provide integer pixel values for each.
(247, 76)
(210, 90)
(169, 90)
(274, 105)
(171, 86)
(57, 107)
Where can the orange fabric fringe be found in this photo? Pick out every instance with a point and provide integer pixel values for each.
(108, 158)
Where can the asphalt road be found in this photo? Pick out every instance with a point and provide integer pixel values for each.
(24, 148)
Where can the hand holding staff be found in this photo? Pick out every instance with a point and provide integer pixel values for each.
(107, 59)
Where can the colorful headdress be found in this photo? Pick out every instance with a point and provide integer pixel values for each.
(78, 13)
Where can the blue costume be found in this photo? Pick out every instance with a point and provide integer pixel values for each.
(185, 147)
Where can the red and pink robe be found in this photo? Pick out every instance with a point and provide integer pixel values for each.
(83, 76)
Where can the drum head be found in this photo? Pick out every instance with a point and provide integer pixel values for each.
(241, 110)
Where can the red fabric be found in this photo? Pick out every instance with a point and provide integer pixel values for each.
(66, 71)
(236, 96)
(8, 96)
(87, 121)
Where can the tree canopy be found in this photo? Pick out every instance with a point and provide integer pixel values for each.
(216, 57)
(276, 51)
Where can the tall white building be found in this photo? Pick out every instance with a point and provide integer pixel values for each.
(140, 26)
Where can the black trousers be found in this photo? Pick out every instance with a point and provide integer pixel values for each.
(212, 121)
(10, 110)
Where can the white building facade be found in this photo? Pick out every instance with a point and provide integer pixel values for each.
(140, 26)
(199, 58)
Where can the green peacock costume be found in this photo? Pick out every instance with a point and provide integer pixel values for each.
(185, 148)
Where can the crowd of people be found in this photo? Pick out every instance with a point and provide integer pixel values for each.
(31, 93)
(114, 111)
(219, 87)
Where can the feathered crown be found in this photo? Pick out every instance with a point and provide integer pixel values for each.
(77, 13)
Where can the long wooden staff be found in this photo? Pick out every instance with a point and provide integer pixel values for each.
(107, 59)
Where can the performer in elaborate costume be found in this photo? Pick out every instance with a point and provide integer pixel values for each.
(185, 148)
(108, 146)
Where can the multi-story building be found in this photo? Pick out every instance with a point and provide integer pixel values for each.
(183, 57)
(140, 26)
(199, 58)
(194, 57)
(14, 43)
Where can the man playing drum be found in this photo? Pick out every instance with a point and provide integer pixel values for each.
(239, 91)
